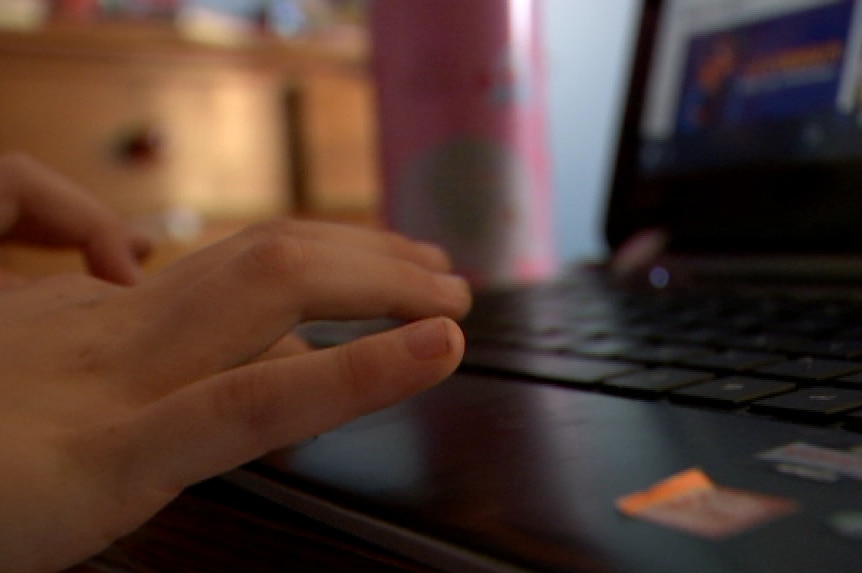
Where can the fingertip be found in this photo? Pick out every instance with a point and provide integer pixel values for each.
(434, 257)
(434, 338)
(459, 297)
(457, 340)
(456, 337)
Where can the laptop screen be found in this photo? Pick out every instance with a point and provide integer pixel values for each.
(752, 81)
(743, 110)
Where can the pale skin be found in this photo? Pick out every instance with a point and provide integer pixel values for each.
(119, 389)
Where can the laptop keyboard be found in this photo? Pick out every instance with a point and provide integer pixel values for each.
(795, 358)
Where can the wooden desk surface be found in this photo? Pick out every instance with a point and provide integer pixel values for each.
(215, 527)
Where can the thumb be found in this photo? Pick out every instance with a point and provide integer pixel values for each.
(207, 428)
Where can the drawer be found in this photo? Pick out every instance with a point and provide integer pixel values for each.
(336, 126)
(219, 148)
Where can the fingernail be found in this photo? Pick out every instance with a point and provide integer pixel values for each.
(428, 339)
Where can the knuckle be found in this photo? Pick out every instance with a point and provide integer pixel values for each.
(355, 372)
(393, 237)
(270, 229)
(16, 162)
(264, 229)
(272, 256)
(16, 167)
(247, 404)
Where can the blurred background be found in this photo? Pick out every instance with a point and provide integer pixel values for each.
(194, 117)
(588, 45)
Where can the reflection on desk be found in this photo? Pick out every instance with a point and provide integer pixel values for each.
(217, 528)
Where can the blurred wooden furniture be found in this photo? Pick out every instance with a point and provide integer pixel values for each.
(156, 125)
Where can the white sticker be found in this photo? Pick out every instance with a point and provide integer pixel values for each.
(843, 462)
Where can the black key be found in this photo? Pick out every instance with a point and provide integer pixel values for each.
(807, 326)
(852, 381)
(549, 339)
(812, 369)
(817, 404)
(501, 336)
(850, 332)
(853, 421)
(737, 360)
(655, 382)
(552, 341)
(742, 322)
(846, 349)
(665, 353)
(592, 328)
(731, 392)
(556, 367)
(704, 335)
(326, 333)
(644, 330)
(606, 347)
(764, 341)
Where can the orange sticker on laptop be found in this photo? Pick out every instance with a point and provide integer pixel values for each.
(689, 501)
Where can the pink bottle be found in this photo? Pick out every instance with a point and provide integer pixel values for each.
(461, 101)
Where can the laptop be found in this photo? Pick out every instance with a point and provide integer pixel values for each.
(694, 408)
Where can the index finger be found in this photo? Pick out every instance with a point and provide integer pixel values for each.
(220, 423)
(235, 311)
(379, 241)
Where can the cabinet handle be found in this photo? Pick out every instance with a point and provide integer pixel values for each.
(143, 144)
